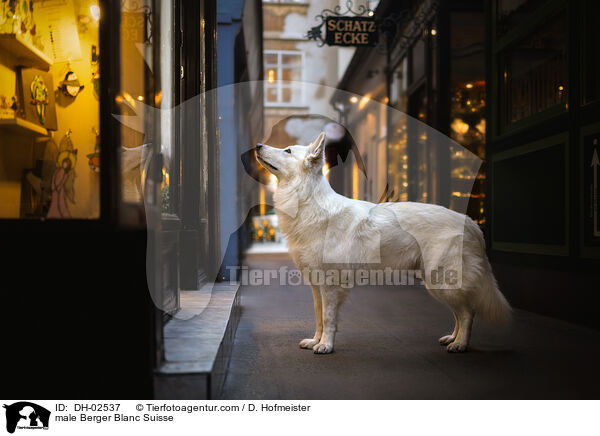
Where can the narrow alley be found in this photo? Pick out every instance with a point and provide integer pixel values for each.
(387, 348)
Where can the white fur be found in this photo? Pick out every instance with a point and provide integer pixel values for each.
(326, 230)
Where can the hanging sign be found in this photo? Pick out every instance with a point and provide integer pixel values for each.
(348, 28)
(351, 31)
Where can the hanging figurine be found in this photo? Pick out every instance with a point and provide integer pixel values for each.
(70, 86)
(6, 110)
(39, 97)
(94, 158)
(62, 184)
(8, 17)
(95, 67)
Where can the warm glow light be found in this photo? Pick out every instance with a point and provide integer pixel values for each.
(325, 170)
(272, 178)
(560, 88)
(353, 99)
(459, 126)
(363, 102)
(271, 76)
(433, 32)
(469, 85)
(140, 98)
(481, 126)
(355, 181)
(129, 99)
(262, 202)
(371, 13)
(95, 12)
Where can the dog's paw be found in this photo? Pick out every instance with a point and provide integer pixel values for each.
(308, 343)
(322, 348)
(456, 347)
(445, 340)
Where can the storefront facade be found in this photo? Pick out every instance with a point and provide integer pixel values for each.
(433, 70)
(543, 133)
(515, 84)
(102, 180)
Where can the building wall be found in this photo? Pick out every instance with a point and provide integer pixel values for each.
(285, 28)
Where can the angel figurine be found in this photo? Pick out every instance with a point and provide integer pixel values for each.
(63, 179)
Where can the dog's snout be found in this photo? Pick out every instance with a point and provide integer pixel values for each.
(258, 146)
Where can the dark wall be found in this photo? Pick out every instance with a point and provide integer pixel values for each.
(76, 315)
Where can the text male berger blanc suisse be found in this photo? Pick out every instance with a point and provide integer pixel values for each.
(325, 230)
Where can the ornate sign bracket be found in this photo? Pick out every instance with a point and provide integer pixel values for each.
(315, 33)
(359, 26)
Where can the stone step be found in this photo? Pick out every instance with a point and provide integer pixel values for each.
(198, 342)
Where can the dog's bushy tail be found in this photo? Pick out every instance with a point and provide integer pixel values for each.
(491, 305)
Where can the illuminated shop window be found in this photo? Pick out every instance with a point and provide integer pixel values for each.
(49, 110)
(467, 111)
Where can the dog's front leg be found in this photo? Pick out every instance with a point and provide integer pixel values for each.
(332, 299)
(309, 343)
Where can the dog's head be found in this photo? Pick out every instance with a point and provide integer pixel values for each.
(294, 161)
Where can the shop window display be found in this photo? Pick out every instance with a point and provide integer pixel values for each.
(49, 109)
(467, 110)
(535, 72)
(397, 151)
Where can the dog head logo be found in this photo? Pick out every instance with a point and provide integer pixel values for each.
(26, 415)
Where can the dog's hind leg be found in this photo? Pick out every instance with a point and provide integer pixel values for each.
(318, 301)
(445, 340)
(332, 300)
(463, 316)
(464, 321)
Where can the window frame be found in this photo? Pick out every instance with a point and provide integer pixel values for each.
(281, 84)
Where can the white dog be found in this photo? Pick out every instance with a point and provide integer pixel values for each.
(328, 231)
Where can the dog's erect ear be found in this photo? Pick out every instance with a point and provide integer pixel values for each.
(315, 150)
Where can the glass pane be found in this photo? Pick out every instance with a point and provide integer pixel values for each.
(535, 71)
(591, 82)
(419, 153)
(135, 98)
(398, 159)
(399, 85)
(418, 61)
(271, 59)
(291, 95)
(292, 74)
(291, 60)
(49, 112)
(286, 95)
(511, 13)
(271, 94)
(467, 110)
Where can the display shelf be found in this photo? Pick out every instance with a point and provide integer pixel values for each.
(22, 127)
(23, 54)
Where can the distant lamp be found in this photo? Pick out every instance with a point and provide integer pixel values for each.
(433, 32)
(95, 12)
(469, 85)
(271, 76)
(354, 99)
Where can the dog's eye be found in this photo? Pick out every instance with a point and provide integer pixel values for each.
(287, 150)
